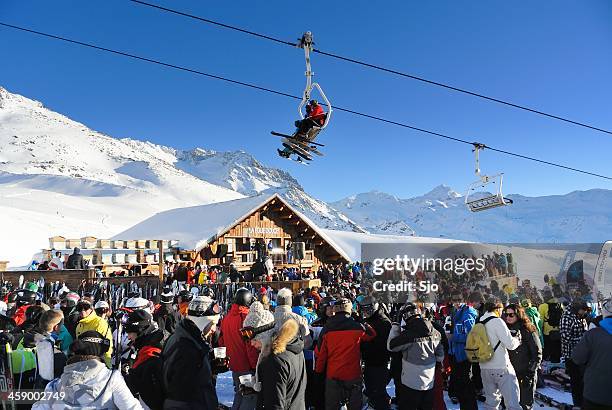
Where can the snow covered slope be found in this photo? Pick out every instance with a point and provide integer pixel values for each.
(58, 177)
(580, 216)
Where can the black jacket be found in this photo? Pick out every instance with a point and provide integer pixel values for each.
(166, 317)
(186, 370)
(75, 261)
(527, 357)
(144, 378)
(283, 375)
(375, 353)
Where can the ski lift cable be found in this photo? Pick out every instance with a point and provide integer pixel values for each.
(269, 90)
(381, 68)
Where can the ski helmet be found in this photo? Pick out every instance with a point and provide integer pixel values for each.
(368, 306)
(184, 296)
(137, 303)
(139, 322)
(243, 297)
(206, 291)
(167, 296)
(410, 310)
(314, 102)
(71, 298)
(25, 297)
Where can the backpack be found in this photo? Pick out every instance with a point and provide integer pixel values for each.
(477, 346)
(555, 311)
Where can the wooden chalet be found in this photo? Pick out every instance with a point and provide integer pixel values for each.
(239, 231)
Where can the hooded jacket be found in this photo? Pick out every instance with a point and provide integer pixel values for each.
(375, 353)
(186, 370)
(75, 261)
(421, 346)
(242, 356)
(463, 321)
(95, 322)
(89, 384)
(282, 371)
(594, 353)
(338, 353)
(144, 379)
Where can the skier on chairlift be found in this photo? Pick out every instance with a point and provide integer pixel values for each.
(315, 117)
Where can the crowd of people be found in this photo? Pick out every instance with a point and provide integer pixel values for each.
(328, 347)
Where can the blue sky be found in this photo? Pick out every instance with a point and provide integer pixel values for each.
(554, 56)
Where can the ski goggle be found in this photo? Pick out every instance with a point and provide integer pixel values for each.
(212, 310)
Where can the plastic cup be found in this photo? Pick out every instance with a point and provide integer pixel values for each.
(219, 352)
(245, 378)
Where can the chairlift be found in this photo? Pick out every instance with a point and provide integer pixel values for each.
(307, 43)
(476, 202)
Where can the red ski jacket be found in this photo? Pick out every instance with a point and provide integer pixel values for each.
(317, 114)
(242, 356)
(338, 352)
(20, 316)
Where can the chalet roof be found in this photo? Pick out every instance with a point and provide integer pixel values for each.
(195, 227)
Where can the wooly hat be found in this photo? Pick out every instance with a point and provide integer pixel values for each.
(343, 305)
(90, 343)
(284, 297)
(259, 316)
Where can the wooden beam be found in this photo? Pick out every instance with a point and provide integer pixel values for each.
(289, 216)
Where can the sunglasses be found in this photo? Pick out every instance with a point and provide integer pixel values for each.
(510, 314)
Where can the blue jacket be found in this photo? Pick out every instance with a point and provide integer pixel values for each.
(463, 321)
(302, 311)
(65, 339)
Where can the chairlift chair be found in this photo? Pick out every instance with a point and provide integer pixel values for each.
(476, 203)
(307, 43)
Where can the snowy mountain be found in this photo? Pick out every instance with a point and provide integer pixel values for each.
(580, 216)
(58, 177)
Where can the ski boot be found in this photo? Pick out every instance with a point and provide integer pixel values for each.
(282, 153)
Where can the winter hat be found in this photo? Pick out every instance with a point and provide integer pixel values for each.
(284, 297)
(258, 316)
(606, 309)
(90, 343)
(72, 298)
(526, 303)
(343, 305)
(101, 305)
(138, 321)
(203, 311)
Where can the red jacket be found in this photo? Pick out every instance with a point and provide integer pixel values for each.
(242, 356)
(317, 114)
(338, 352)
(20, 316)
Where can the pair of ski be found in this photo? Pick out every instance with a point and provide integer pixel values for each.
(300, 146)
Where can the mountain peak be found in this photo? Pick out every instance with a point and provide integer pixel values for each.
(442, 192)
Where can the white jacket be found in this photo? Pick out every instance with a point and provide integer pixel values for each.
(89, 385)
(497, 331)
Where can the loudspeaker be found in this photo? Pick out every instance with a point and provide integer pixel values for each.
(299, 250)
(221, 250)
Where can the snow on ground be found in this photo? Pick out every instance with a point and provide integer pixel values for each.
(225, 393)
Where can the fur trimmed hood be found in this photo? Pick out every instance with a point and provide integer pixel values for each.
(286, 335)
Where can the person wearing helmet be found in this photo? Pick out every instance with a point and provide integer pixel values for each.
(165, 315)
(183, 299)
(71, 316)
(315, 117)
(25, 298)
(87, 382)
(374, 353)
(186, 371)
(144, 377)
(421, 346)
(243, 355)
(90, 321)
